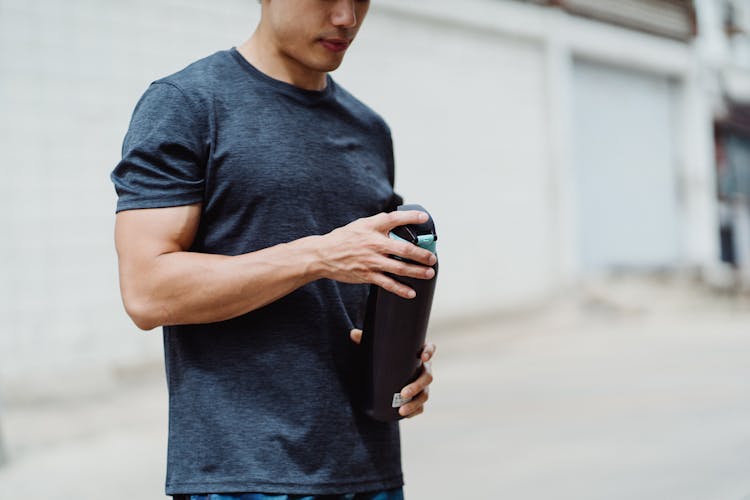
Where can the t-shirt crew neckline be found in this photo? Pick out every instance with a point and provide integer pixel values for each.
(305, 95)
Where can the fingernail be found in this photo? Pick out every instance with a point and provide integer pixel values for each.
(412, 294)
(405, 394)
(433, 259)
(423, 217)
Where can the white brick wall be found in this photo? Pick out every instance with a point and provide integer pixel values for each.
(70, 74)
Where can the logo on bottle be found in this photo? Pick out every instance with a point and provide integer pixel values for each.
(398, 401)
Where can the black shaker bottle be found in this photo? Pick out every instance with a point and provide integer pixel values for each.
(395, 329)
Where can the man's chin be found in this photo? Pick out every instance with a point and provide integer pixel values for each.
(330, 65)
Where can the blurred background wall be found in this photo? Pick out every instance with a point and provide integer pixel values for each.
(71, 75)
(553, 142)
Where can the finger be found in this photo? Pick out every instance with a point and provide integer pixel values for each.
(410, 251)
(356, 335)
(414, 405)
(401, 268)
(393, 286)
(419, 385)
(384, 222)
(418, 412)
(428, 352)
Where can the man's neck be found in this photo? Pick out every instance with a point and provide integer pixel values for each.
(263, 54)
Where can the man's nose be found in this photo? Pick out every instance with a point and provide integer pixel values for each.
(344, 15)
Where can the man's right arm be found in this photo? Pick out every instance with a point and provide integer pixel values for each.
(162, 283)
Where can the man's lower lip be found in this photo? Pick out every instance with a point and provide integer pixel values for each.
(334, 47)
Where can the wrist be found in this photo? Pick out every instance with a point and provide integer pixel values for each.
(311, 256)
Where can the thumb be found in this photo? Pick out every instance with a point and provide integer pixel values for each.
(356, 335)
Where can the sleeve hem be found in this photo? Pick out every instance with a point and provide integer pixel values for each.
(162, 202)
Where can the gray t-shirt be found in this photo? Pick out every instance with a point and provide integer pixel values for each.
(264, 402)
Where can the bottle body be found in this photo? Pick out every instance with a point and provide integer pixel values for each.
(393, 337)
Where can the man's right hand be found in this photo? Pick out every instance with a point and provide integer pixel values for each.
(359, 252)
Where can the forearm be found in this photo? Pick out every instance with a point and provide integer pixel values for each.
(186, 287)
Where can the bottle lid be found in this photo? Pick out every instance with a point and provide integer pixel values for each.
(423, 234)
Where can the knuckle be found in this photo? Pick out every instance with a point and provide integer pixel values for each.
(383, 245)
(377, 279)
(406, 249)
(403, 269)
(392, 286)
(376, 220)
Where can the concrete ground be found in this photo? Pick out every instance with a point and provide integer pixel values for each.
(632, 389)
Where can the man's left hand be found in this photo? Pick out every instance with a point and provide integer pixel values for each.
(419, 390)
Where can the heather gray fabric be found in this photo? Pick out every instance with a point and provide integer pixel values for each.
(263, 402)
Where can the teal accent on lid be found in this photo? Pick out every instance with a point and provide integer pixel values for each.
(397, 238)
(426, 241)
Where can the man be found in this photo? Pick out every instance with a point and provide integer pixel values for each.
(251, 218)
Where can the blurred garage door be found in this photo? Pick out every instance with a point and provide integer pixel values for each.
(623, 152)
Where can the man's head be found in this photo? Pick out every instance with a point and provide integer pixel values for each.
(313, 34)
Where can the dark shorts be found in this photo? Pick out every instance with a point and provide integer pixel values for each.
(395, 494)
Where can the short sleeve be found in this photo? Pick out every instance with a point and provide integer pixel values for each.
(164, 153)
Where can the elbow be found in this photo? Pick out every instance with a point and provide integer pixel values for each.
(144, 323)
(141, 312)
